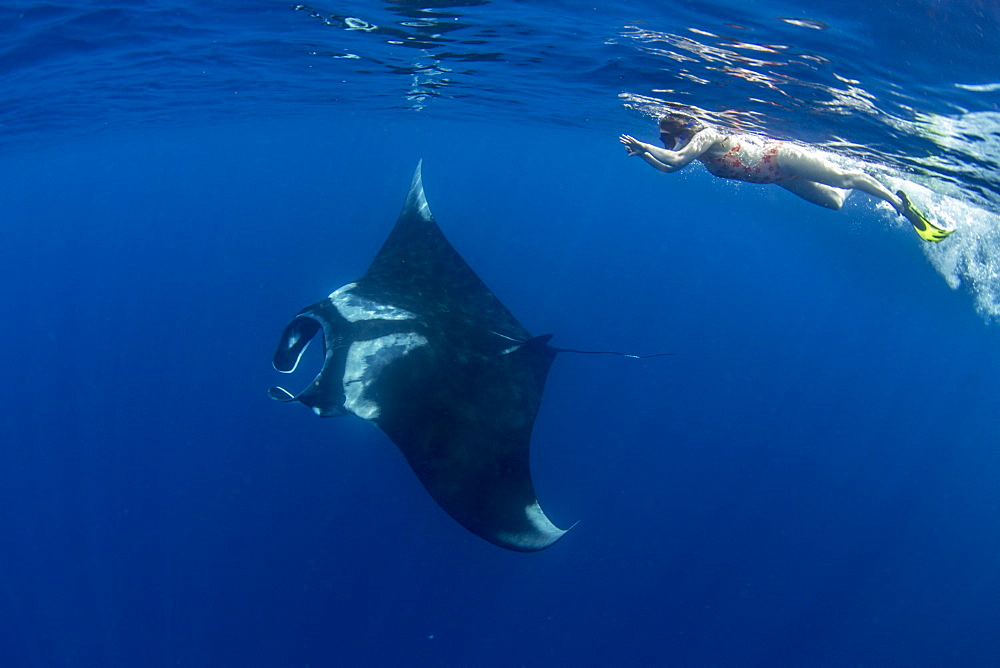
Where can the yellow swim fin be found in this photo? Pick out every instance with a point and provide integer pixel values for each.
(927, 230)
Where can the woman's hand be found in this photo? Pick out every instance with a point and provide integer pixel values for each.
(632, 145)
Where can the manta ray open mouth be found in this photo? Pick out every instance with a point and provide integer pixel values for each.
(295, 341)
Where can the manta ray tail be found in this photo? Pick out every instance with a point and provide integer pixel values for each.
(611, 352)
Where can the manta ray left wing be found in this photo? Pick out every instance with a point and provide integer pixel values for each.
(422, 349)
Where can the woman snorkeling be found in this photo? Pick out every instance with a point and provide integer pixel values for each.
(807, 172)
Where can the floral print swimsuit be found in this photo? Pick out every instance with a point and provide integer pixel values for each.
(751, 158)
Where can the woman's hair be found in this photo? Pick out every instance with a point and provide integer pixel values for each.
(677, 129)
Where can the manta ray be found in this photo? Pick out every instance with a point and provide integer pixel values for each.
(421, 348)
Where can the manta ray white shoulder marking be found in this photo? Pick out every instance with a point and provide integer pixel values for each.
(365, 361)
(354, 308)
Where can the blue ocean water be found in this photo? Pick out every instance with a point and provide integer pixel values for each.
(811, 479)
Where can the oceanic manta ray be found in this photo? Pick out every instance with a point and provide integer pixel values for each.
(422, 349)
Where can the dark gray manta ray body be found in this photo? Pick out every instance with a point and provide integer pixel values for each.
(421, 348)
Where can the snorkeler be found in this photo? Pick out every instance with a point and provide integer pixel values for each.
(801, 170)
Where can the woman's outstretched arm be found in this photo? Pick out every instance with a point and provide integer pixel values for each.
(666, 160)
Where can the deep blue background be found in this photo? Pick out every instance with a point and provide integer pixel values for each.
(810, 480)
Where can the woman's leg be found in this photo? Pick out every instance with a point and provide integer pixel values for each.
(817, 193)
(813, 165)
